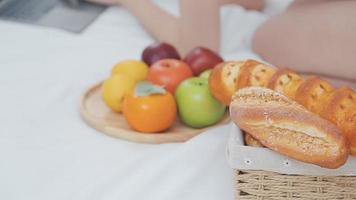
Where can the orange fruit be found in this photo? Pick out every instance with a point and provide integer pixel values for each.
(151, 112)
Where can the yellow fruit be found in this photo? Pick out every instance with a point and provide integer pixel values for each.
(114, 90)
(135, 68)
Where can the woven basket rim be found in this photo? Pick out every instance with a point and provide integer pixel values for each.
(259, 184)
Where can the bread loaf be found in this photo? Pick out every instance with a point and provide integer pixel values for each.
(253, 73)
(285, 81)
(250, 141)
(315, 94)
(341, 110)
(287, 127)
(227, 77)
(223, 80)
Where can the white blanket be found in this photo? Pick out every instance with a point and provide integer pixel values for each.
(48, 152)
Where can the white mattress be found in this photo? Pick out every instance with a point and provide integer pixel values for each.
(47, 152)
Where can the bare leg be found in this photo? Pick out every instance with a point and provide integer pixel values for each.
(313, 37)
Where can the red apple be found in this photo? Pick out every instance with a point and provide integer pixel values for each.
(201, 59)
(169, 73)
(159, 51)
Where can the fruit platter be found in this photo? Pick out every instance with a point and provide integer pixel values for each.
(161, 98)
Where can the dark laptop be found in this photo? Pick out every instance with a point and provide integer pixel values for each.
(70, 15)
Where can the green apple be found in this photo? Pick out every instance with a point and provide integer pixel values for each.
(196, 106)
(205, 74)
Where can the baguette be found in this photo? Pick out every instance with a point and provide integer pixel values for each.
(286, 82)
(315, 94)
(341, 110)
(285, 126)
(227, 77)
(223, 80)
(254, 73)
(250, 141)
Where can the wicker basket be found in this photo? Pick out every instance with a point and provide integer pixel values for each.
(256, 177)
(269, 185)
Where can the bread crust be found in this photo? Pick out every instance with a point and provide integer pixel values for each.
(314, 93)
(285, 126)
(216, 85)
(341, 110)
(254, 73)
(223, 79)
(285, 81)
(335, 103)
(349, 127)
(250, 141)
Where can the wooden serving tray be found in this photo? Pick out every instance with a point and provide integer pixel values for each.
(97, 115)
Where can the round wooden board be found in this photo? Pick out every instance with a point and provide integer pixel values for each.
(97, 115)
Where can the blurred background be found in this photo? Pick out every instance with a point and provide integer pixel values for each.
(50, 52)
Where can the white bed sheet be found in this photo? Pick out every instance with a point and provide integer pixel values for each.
(47, 152)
